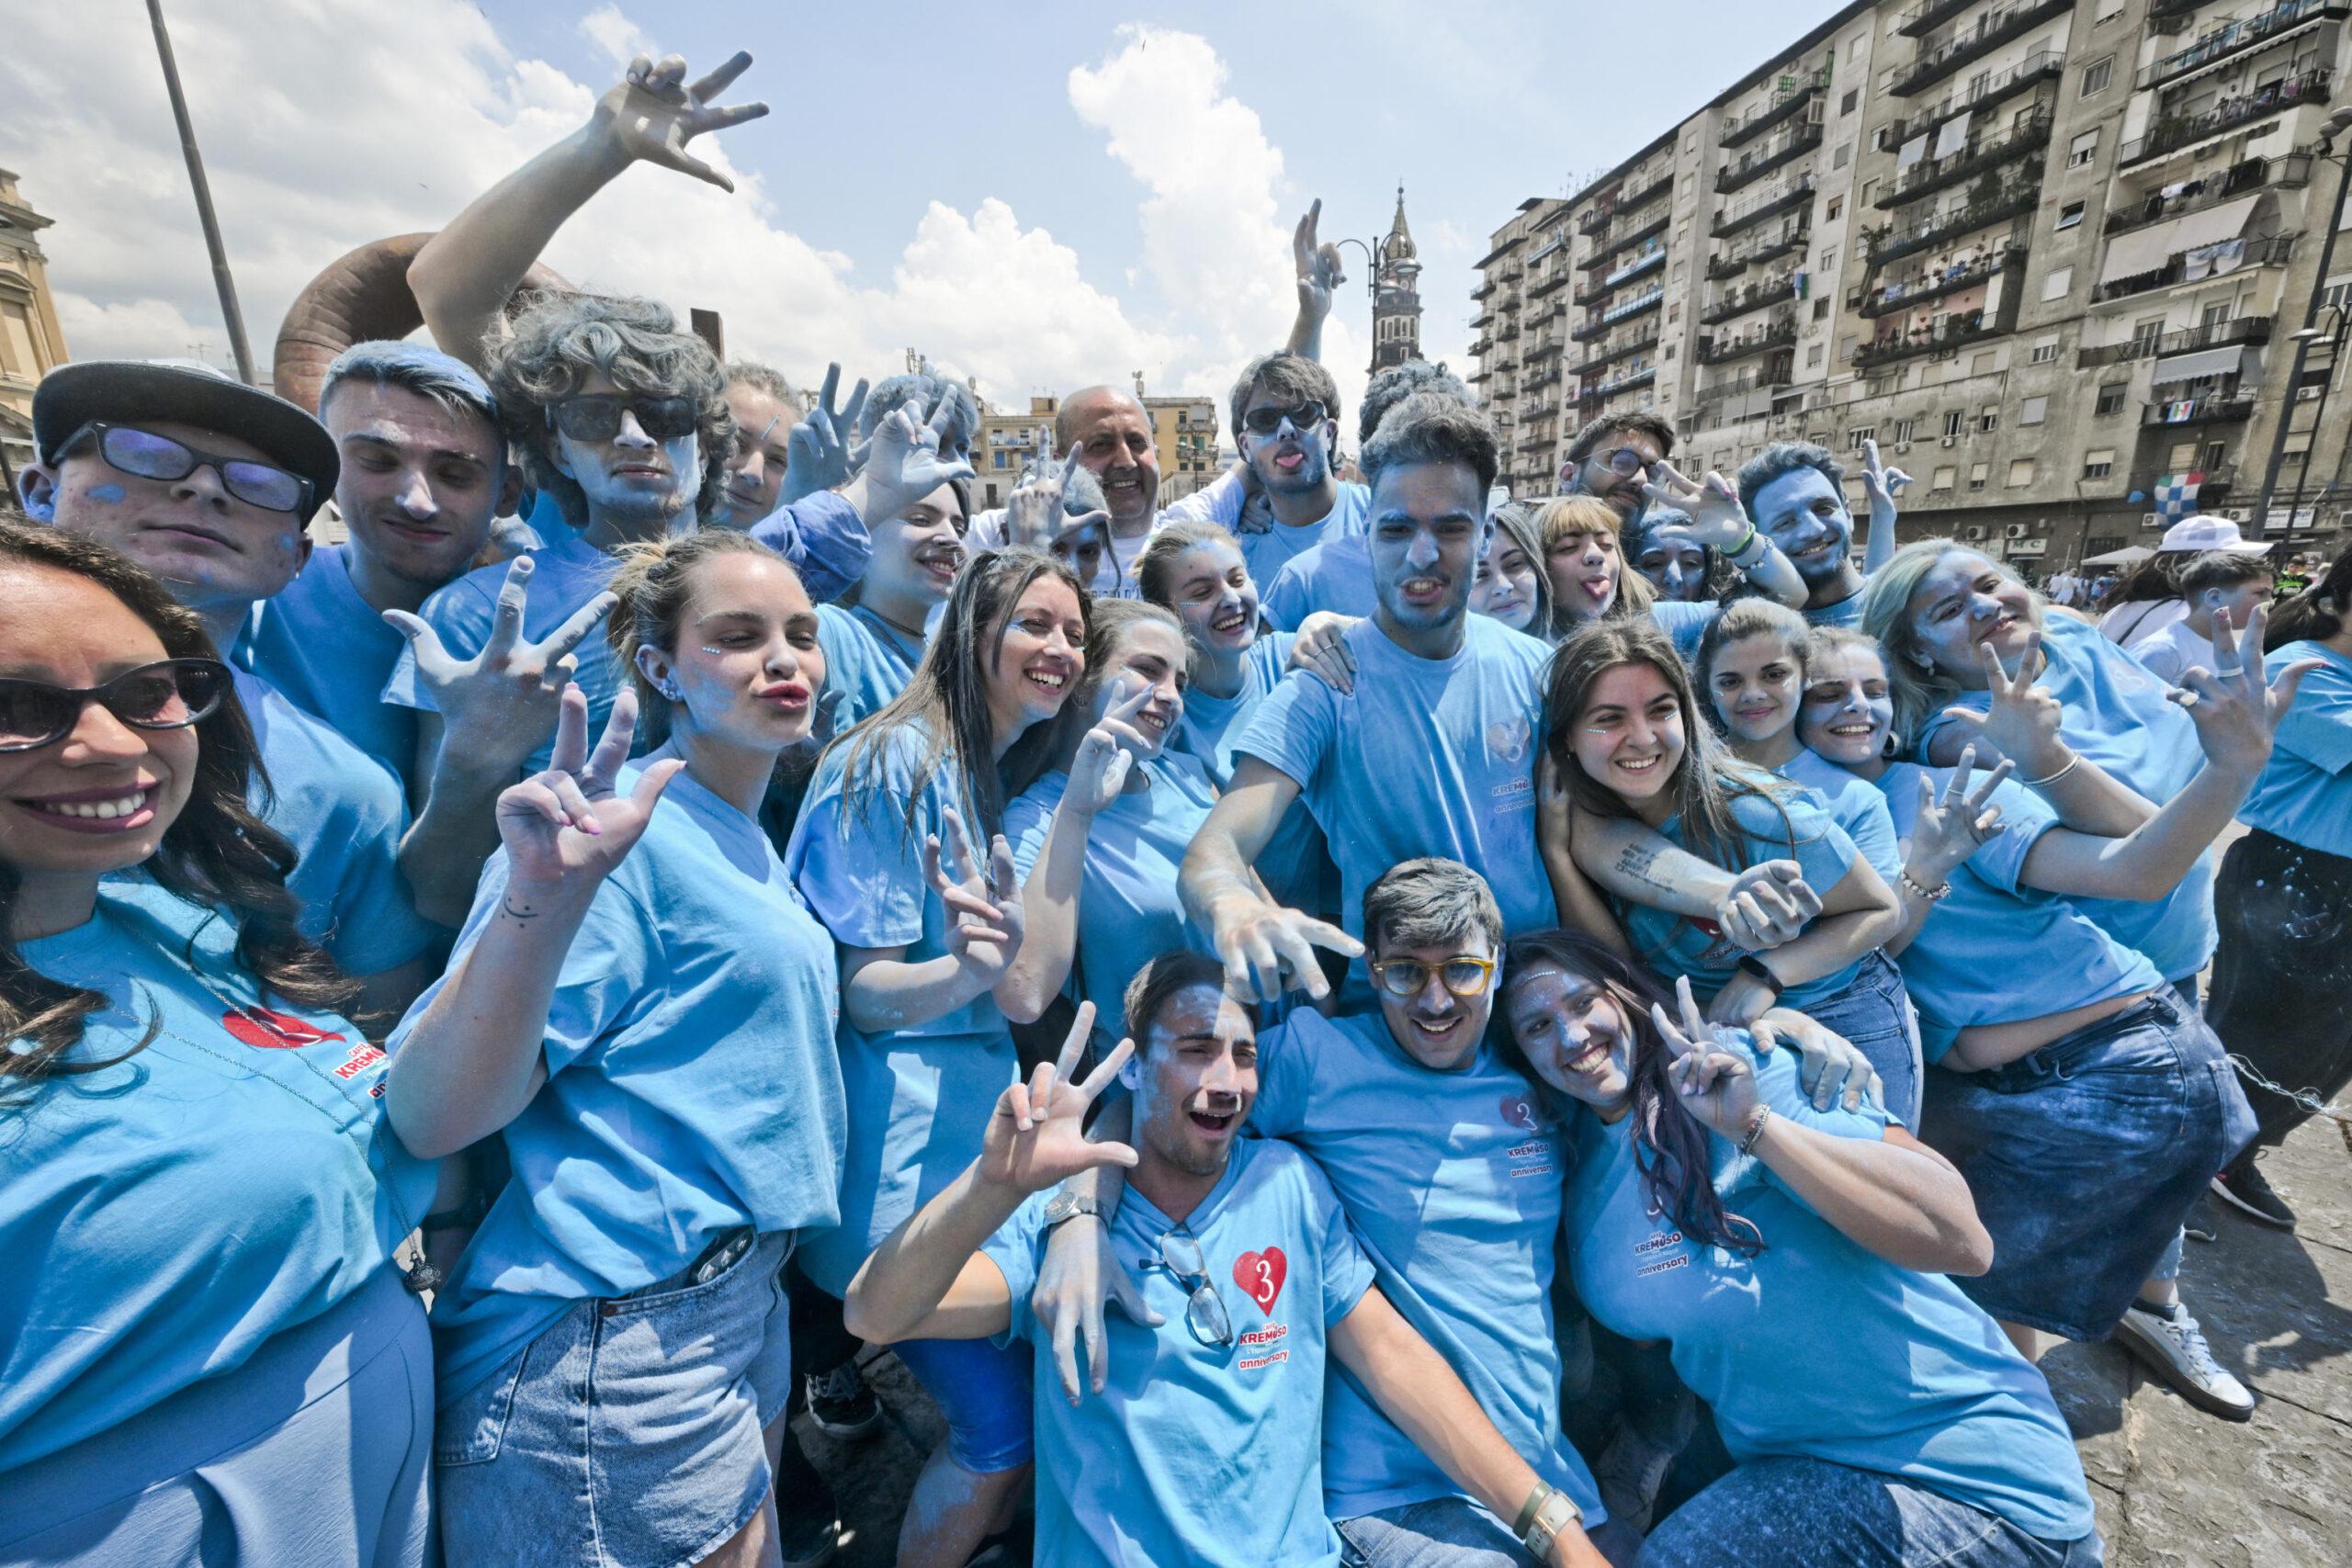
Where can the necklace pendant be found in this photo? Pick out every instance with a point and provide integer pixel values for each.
(421, 1277)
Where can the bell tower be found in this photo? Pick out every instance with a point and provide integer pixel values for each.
(1396, 297)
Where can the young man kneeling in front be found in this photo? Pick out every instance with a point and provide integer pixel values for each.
(1205, 1443)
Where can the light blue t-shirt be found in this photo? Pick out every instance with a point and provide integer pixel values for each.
(2117, 716)
(1997, 951)
(692, 1083)
(1295, 865)
(1925, 1386)
(329, 653)
(566, 574)
(162, 1218)
(1452, 1182)
(1192, 1453)
(1267, 550)
(1794, 824)
(1128, 909)
(1425, 757)
(2304, 795)
(1335, 575)
(1855, 804)
(919, 1097)
(1687, 623)
(868, 662)
(344, 816)
(823, 537)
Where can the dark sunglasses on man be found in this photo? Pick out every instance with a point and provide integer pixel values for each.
(1305, 417)
(128, 450)
(171, 694)
(596, 416)
(1625, 462)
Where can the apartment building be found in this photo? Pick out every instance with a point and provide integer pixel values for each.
(2050, 253)
(31, 344)
(1517, 317)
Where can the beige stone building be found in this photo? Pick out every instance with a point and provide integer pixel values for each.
(30, 340)
(2050, 253)
(1183, 430)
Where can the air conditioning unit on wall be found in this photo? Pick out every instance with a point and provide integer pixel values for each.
(2152, 520)
(2016, 530)
(1974, 531)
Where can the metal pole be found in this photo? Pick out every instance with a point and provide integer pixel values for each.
(2302, 351)
(227, 285)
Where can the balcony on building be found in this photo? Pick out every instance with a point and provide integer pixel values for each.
(2237, 330)
(1640, 304)
(2292, 171)
(1625, 383)
(1485, 290)
(1606, 248)
(1965, 271)
(1925, 18)
(1759, 249)
(1549, 279)
(2208, 408)
(1725, 349)
(2171, 132)
(2235, 38)
(1762, 159)
(2042, 65)
(2156, 259)
(1994, 29)
(1990, 202)
(1751, 393)
(1790, 96)
(1947, 335)
(1599, 288)
(1757, 205)
(1540, 345)
(1960, 155)
(1777, 289)
(1601, 358)
(1551, 378)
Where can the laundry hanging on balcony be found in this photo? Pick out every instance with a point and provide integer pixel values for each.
(2211, 261)
(1954, 135)
(2144, 251)
(1912, 150)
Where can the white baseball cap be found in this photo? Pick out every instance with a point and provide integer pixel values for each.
(2201, 533)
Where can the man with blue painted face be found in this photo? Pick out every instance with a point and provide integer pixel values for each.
(426, 472)
(1795, 494)
(209, 484)
(1204, 1442)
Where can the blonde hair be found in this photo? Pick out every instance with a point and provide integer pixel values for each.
(1920, 690)
(654, 584)
(1562, 516)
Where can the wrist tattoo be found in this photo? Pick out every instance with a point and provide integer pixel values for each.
(522, 912)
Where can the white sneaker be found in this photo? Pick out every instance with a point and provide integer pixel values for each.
(2175, 1347)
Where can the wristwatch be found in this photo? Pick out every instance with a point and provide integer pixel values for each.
(1549, 1511)
(1069, 1206)
(1757, 970)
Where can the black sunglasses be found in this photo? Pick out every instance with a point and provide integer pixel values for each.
(1625, 462)
(596, 416)
(128, 450)
(1266, 421)
(170, 696)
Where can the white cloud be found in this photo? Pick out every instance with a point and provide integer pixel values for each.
(324, 130)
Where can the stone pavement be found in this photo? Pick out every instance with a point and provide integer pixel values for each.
(2175, 1488)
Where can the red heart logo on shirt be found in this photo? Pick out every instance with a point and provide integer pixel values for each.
(1261, 1275)
(1519, 1113)
(267, 1030)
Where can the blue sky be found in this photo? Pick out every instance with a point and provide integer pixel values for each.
(1036, 196)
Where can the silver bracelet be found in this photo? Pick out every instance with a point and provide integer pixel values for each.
(1754, 1128)
(1911, 884)
(2073, 762)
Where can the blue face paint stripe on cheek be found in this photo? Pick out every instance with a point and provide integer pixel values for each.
(110, 494)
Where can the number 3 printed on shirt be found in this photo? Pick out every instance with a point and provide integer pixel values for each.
(1261, 1275)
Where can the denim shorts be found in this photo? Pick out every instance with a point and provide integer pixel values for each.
(628, 1435)
(982, 1390)
(1873, 1012)
(2084, 1157)
(1454, 1533)
(1799, 1513)
(315, 1450)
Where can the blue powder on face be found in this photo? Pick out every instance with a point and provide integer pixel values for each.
(110, 494)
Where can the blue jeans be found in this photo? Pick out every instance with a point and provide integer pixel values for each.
(1453, 1532)
(1873, 1012)
(629, 1434)
(2084, 1157)
(1801, 1513)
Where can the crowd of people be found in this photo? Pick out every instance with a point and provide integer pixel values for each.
(1688, 1003)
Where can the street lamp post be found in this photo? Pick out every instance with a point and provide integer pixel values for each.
(2337, 123)
(2334, 337)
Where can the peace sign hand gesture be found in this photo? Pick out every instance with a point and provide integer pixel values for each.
(1036, 1138)
(1949, 829)
(652, 113)
(817, 455)
(1717, 519)
(1714, 1082)
(2020, 721)
(903, 462)
(497, 705)
(1107, 754)
(565, 827)
(988, 920)
(2236, 706)
(1034, 515)
(1882, 482)
(1319, 268)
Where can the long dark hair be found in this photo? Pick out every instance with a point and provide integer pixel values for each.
(1670, 1145)
(218, 854)
(2317, 612)
(948, 694)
